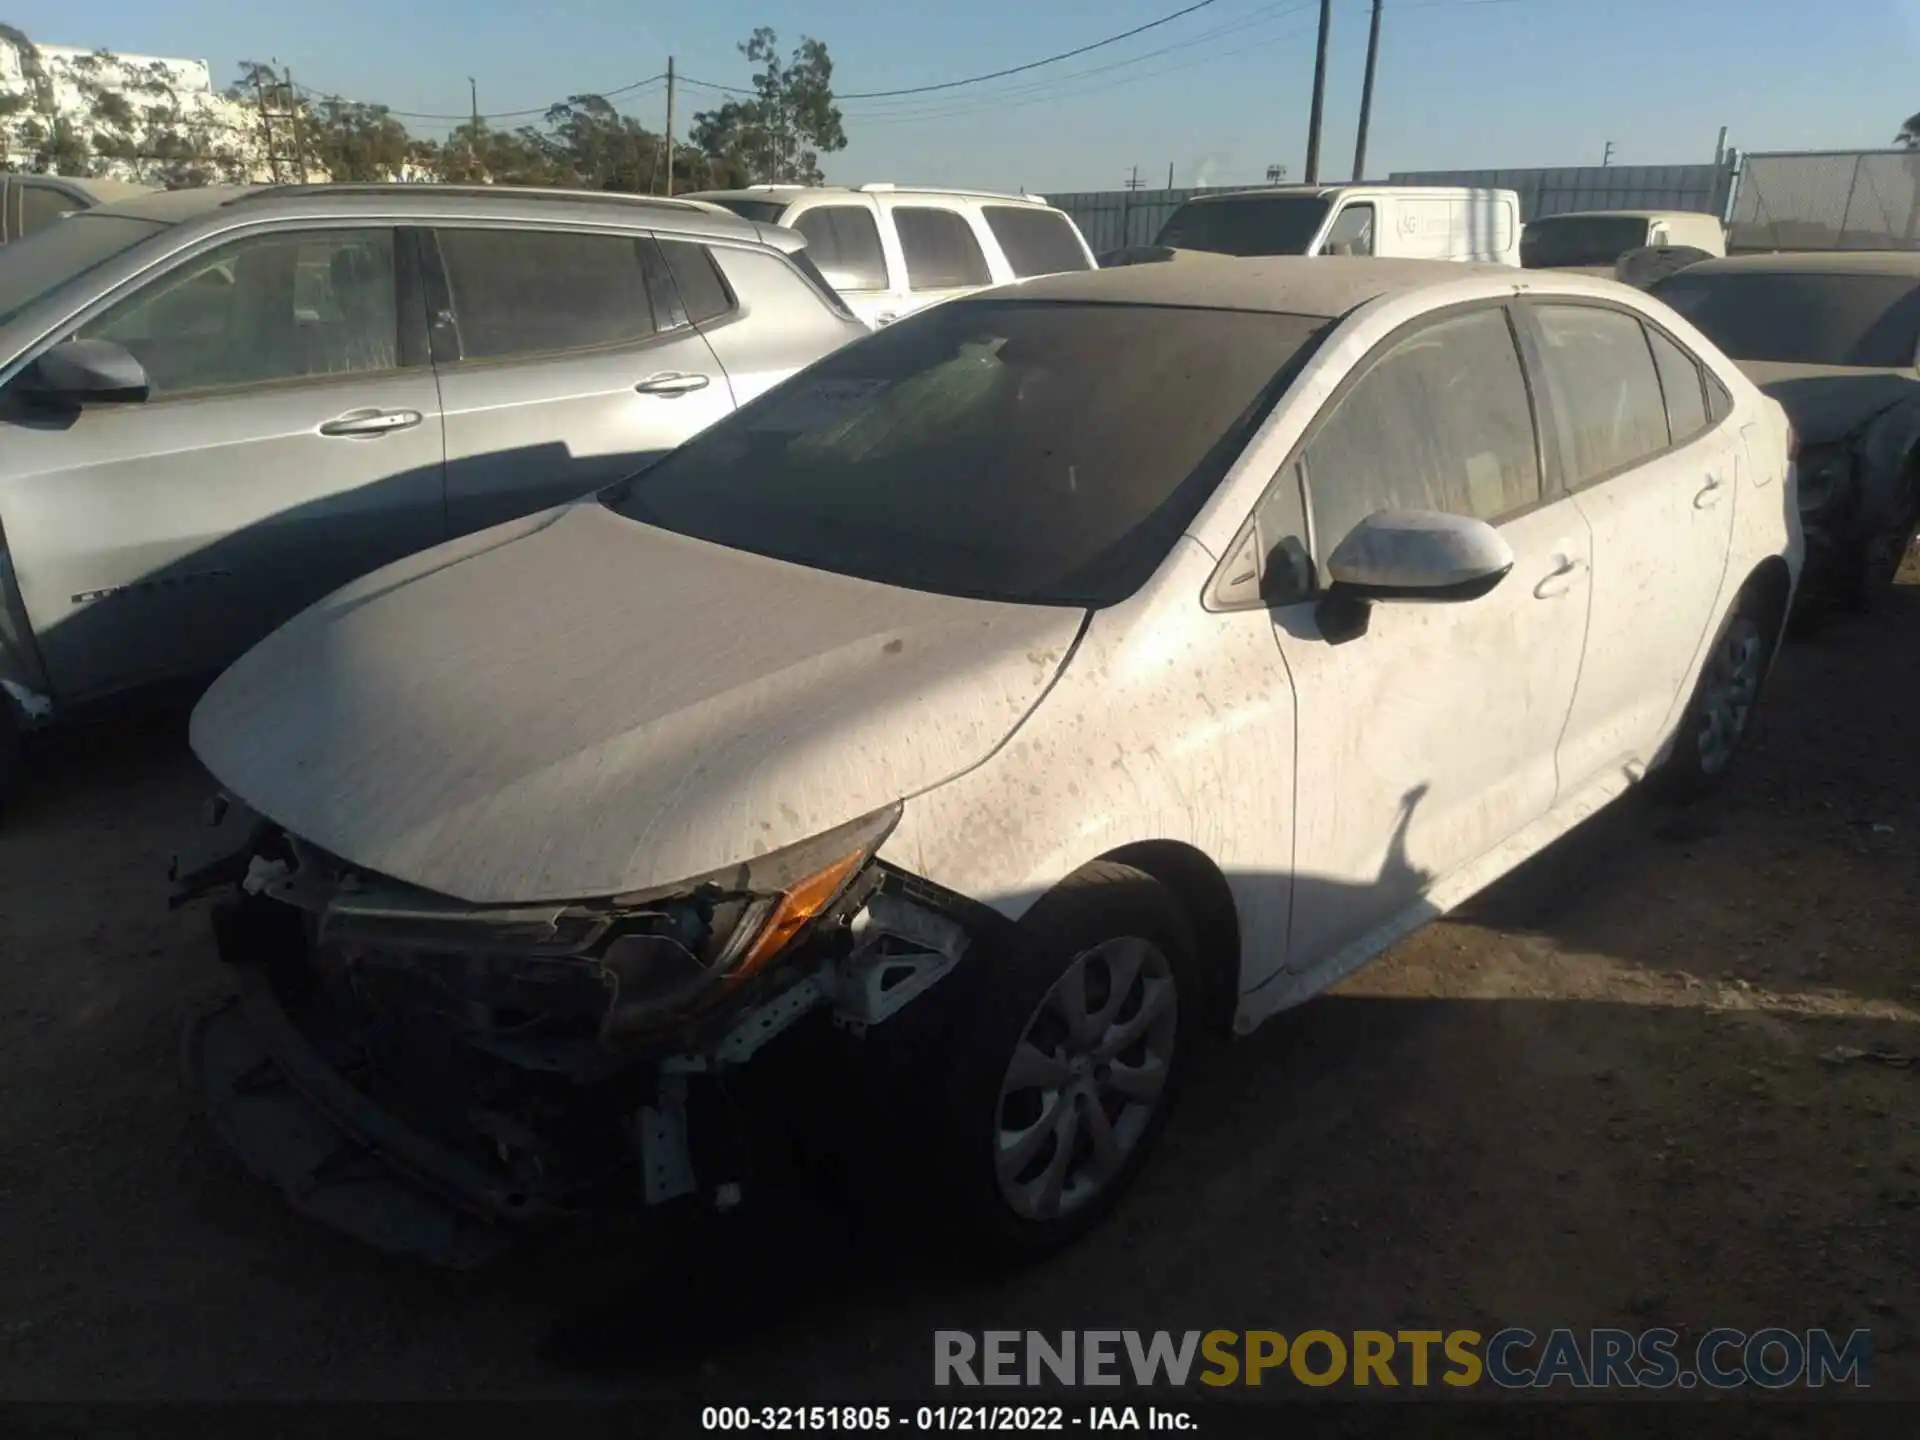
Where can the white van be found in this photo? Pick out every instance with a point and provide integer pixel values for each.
(1594, 240)
(892, 249)
(1423, 222)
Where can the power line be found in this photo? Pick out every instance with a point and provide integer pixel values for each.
(991, 74)
(1272, 11)
(628, 89)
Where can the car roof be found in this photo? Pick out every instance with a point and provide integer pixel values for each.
(1900, 263)
(786, 194)
(1324, 285)
(1625, 215)
(430, 202)
(101, 192)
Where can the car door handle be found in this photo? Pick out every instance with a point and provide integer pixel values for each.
(1710, 495)
(366, 424)
(672, 383)
(1559, 580)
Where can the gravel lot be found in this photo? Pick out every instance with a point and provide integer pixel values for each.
(1659, 1077)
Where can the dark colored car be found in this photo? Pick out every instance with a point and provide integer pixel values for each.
(1835, 339)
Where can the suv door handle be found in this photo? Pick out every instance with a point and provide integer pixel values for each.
(1559, 580)
(1710, 495)
(672, 383)
(367, 424)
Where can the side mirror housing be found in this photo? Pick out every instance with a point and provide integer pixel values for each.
(85, 372)
(1418, 555)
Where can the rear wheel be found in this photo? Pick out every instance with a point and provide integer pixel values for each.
(1082, 1035)
(1719, 715)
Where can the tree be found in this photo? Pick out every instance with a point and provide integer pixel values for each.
(354, 141)
(780, 133)
(1909, 136)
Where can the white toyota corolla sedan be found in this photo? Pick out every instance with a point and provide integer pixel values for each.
(1015, 699)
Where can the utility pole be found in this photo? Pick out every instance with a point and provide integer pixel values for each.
(1319, 94)
(293, 120)
(669, 125)
(1126, 207)
(1169, 174)
(473, 126)
(1606, 156)
(1720, 148)
(1366, 96)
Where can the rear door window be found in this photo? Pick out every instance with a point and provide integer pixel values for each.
(1606, 393)
(1680, 381)
(940, 248)
(1441, 421)
(1036, 241)
(535, 292)
(42, 205)
(844, 242)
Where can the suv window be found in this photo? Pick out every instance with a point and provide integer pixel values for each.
(41, 205)
(940, 249)
(1351, 232)
(1441, 421)
(1680, 382)
(531, 292)
(1606, 394)
(843, 239)
(703, 294)
(265, 309)
(1036, 241)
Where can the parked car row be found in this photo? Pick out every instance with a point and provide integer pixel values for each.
(1014, 692)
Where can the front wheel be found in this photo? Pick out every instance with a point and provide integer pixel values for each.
(1718, 717)
(1083, 1032)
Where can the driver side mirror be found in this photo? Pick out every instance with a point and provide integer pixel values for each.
(84, 372)
(1419, 555)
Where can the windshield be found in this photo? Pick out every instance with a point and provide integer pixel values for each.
(1275, 225)
(1861, 320)
(50, 257)
(1034, 452)
(761, 212)
(1580, 239)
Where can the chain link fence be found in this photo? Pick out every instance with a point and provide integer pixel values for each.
(1827, 200)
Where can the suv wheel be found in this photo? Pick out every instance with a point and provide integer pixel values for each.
(1084, 1029)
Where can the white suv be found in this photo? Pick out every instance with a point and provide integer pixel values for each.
(890, 250)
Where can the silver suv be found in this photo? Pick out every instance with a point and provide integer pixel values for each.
(218, 405)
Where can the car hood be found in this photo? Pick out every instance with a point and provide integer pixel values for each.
(1829, 402)
(579, 705)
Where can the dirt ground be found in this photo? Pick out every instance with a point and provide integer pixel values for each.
(1664, 1076)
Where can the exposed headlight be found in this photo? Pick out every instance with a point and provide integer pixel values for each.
(631, 963)
(1824, 472)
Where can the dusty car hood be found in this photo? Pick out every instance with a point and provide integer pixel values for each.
(1827, 402)
(579, 705)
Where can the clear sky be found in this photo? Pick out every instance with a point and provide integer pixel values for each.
(1219, 94)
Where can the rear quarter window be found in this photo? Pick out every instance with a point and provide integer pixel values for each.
(940, 249)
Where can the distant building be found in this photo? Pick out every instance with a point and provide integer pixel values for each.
(127, 117)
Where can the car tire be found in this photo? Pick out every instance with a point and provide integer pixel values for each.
(1024, 1165)
(1719, 715)
(1881, 556)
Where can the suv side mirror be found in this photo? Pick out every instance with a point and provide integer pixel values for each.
(85, 372)
(1409, 555)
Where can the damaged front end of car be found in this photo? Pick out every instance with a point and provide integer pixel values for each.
(433, 1077)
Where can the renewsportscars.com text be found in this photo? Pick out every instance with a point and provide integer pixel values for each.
(1514, 1358)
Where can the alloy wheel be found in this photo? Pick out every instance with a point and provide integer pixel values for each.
(1727, 699)
(1086, 1078)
